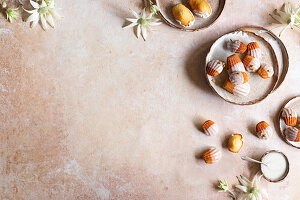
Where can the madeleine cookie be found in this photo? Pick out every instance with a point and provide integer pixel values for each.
(265, 71)
(254, 50)
(236, 46)
(183, 15)
(263, 130)
(235, 143)
(238, 90)
(238, 78)
(292, 134)
(212, 155)
(215, 67)
(289, 116)
(201, 8)
(251, 63)
(210, 128)
(234, 64)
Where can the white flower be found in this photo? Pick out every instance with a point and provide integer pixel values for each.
(142, 22)
(45, 11)
(11, 14)
(289, 17)
(251, 189)
(223, 187)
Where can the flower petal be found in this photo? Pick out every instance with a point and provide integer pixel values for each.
(243, 180)
(34, 23)
(55, 14)
(134, 13)
(44, 23)
(30, 11)
(144, 33)
(138, 31)
(33, 17)
(154, 23)
(43, 4)
(241, 187)
(130, 25)
(132, 20)
(52, 4)
(144, 13)
(34, 4)
(50, 20)
(279, 19)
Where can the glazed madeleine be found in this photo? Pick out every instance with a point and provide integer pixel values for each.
(254, 50)
(263, 130)
(183, 15)
(236, 46)
(289, 116)
(212, 155)
(235, 143)
(238, 90)
(201, 8)
(265, 71)
(251, 63)
(215, 67)
(210, 128)
(292, 134)
(234, 64)
(238, 78)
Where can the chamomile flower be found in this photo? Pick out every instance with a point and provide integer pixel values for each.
(142, 22)
(251, 189)
(44, 11)
(288, 17)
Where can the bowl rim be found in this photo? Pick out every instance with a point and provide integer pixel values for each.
(287, 169)
(283, 48)
(222, 3)
(249, 102)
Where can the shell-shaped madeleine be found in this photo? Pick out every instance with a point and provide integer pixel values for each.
(265, 71)
(200, 8)
(251, 63)
(234, 64)
(236, 46)
(212, 155)
(214, 67)
(210, 128)
(235, 143)
(183, 15)
(238, 90)
(263, 130)
(238, 78)
(292, 134)
(254, 50)
(289, 116)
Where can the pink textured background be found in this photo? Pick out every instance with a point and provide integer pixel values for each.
(87, 111)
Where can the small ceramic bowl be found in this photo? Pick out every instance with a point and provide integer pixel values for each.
(286, 171)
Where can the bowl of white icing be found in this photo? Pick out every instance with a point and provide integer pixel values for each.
(275, 166)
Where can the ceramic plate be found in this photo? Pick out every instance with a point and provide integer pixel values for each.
(165, 7)
(260, 88)
(295, 105)
(278, 47)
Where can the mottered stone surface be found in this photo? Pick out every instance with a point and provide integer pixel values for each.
(87, 111)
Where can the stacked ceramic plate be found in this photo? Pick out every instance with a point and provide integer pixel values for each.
(274, 54)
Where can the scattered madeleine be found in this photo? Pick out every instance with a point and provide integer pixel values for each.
(238, 90)
(236, 46)
(265, 71)
(263, 130)
(215, 67)
(251, 63)
(200, 8)
(183, 15)
(289, 116)
(210, 128)
(234, 64)
(235, 143)
(292, 134)
(238, 78)
(212, 155)
(254, 50)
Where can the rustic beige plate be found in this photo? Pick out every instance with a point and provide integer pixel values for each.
(165, 7)
(260, 88)
(294, 103)
(278, 47)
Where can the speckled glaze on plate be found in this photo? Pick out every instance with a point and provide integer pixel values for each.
(294, 103)
(278, 47)
(165, 7)
(260, 88)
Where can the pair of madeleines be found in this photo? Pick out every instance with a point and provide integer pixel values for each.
(235, 142)
(185, 17)
(290, 117)
(237, 83)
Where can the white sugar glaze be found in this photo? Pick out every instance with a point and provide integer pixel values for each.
(276, 166)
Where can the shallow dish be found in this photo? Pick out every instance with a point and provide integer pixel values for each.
(165, 7)
(260, 88)
(294, 103)
(278, 47)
